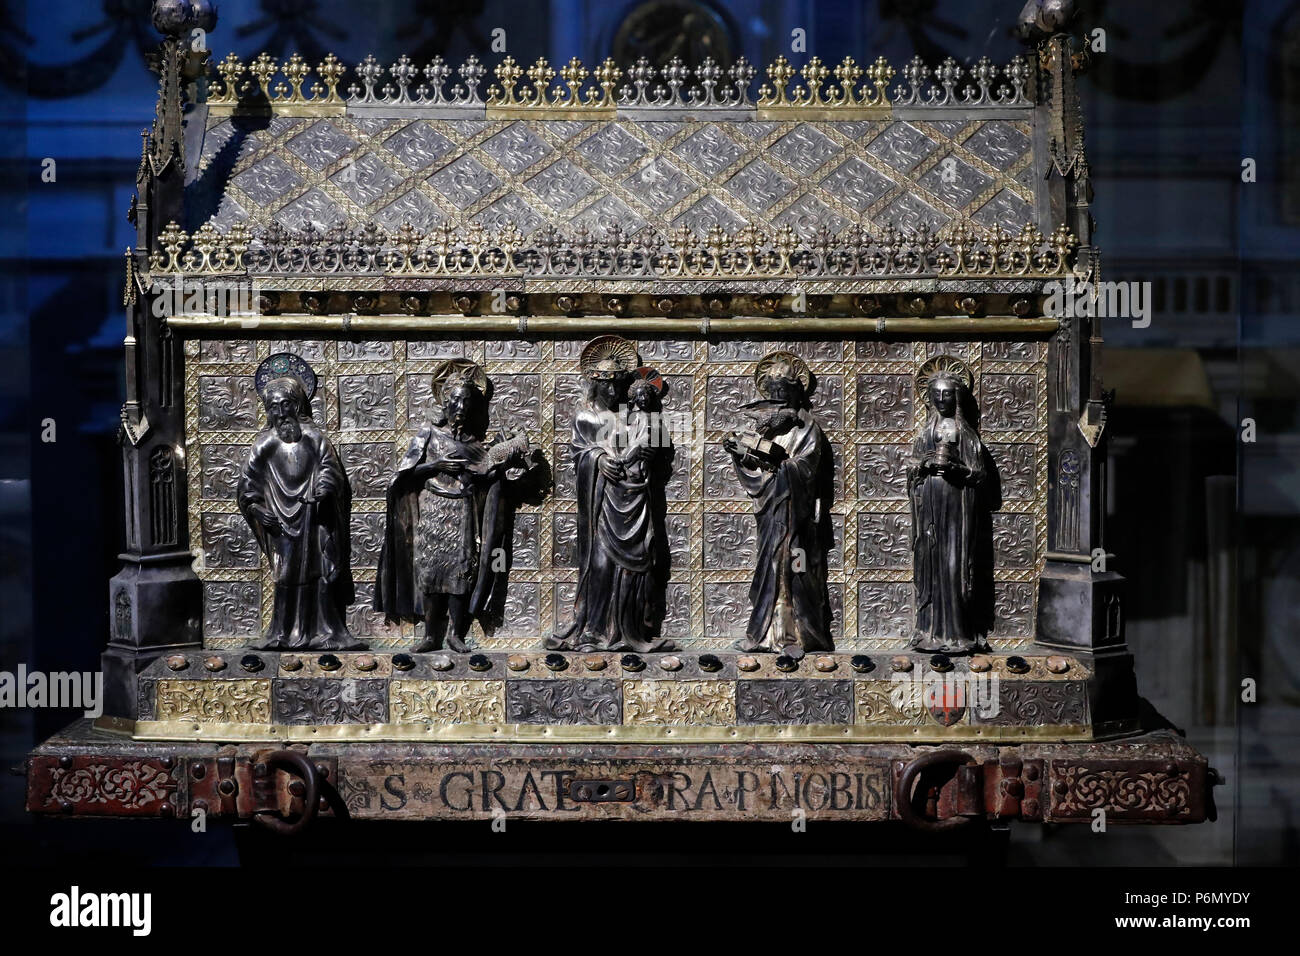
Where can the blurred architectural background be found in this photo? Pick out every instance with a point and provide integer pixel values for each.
(1204, 526)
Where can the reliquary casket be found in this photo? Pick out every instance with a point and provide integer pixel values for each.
(629, 442)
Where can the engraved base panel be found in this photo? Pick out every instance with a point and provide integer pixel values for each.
(587, 697)
(1153, 779)
(373, 395)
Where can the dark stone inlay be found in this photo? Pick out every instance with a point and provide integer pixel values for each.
(1037, 703)
(330, 700)
(564, 702)
(794, 701)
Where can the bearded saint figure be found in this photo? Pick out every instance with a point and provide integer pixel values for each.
(785, 466)
(446, 554)
(295, 495)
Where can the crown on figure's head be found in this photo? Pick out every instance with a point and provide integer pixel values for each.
(944, 366)
(608, 357)
(452, 372)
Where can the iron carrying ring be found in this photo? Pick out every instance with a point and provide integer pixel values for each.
(903, 790)
(292, 762)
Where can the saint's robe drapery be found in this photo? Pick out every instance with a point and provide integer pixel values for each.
(619, 603)
(947, 515)
(443, 532)
(790, 601)
(310, 557)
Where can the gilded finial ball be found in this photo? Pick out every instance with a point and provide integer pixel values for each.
(172, 17)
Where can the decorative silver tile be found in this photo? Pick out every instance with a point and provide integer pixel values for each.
(364, 621)
(369, 466)
(677, 611)
(1012, 351)
(227, 401)
(1013, 609)
(366, 179)
(902, 146)
(805, 148)
(267, 180)
(660, 130)
(709, 150)
(706, 214)
(367, 401)
(466, 129)
(516, 402)
(232, 609)
(509, 349)
(882, 471)
(1008, 401)
(724, 394)
(563, 473)
(885, 402)
(564, 540)
(997, 143)
(510, 210)
(414, 209)
(726, 609)
(884, 610)
(418, 145)
(678, 529)
(373, 125)
(734, 350)
(1007, 210)
(667, 350)
(221, 467)
(321, 145)
(561, 184)
(229, 213)
(1013, 540)
(520, 615)
(955, 181)
(907, 212)
(566, 129)
(827, 401)
(948, 128)
(367, 538)
(227, 350)
(720, 475)
(434, 349)
(606, 212)
(570, 393)
(516, 147)
(228, 541)
(808, 214)
(730, 542)
(1016, 469)
(611, 149)
(884, 541)
(857, 184)
(524, 548)
(464, 181)
(859, 129)
(312, 207)
(884, 351)
(756, 130)
(678, 485)
(420, 404)
(758, 185)
(350, 351)
(659, 184)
